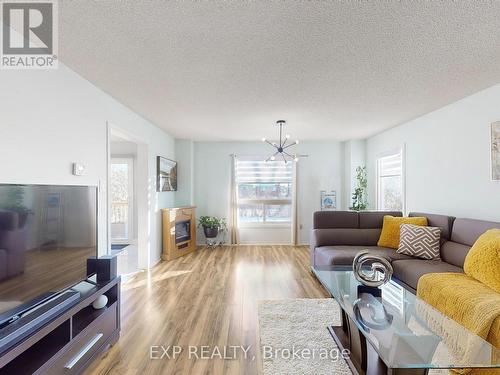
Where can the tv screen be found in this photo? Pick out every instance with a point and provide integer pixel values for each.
(46, 235)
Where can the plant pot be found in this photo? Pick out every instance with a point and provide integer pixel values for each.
(210, 232)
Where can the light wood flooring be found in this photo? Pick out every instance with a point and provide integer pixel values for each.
(209, 297)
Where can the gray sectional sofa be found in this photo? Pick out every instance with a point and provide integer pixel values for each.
(337, 236)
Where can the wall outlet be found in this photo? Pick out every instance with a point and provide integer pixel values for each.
(78, 169)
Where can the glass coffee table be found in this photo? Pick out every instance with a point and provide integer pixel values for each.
(388, 330)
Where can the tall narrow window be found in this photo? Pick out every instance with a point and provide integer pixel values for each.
(390, 183)
(264, 192)
(122, 204)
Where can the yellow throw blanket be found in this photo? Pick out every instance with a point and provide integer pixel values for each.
(467, 301)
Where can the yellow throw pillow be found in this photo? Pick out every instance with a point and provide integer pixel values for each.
(483, 260)
(391, 229)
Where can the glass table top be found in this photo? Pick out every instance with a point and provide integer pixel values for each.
(405, 331)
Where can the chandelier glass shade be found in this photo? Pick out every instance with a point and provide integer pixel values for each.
(282, 147)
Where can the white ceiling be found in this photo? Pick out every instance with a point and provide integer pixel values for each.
(334, 70)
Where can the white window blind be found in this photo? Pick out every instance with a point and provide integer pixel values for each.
(390, 166)
(264, 191)
(390, 182)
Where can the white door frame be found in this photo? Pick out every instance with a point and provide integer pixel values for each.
(141, 193)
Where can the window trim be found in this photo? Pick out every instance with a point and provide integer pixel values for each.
(402, 151)
(264, 225)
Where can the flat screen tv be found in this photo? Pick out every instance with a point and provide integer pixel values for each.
(47, 232)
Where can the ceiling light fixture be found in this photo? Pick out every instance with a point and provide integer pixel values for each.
(282, 146)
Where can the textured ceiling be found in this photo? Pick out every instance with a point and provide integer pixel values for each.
(334, 70)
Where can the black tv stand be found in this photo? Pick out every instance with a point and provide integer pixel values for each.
(69, 341)
(24, 324)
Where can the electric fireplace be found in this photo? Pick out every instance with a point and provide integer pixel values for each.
(179, 232)
(182, 231)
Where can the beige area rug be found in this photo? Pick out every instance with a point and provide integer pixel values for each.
(294, 338)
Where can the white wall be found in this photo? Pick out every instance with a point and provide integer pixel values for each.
(322, 170)
(51, 118)
(123, 148)
(447, 158)
(184, 152)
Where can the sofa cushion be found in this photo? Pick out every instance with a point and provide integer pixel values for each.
(346, 236)
(375, 219)
(420, 242)
(483, 260)
(344, 255)
(467, 231)
(335, 219)
(409, 271)
(389, 237)
(445, 223)
(454, 253)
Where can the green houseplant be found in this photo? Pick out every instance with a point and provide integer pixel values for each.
(359, 201)
(212, 225)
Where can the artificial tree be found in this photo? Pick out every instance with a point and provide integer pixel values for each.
(359, 201)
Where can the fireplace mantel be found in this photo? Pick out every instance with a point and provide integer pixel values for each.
(179, 232)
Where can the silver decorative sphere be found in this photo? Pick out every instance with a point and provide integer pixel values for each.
(371, 270)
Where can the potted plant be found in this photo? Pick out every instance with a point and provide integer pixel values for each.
(212, 225)
(359, 201)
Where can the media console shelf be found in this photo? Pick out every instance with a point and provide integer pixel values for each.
(70, 341)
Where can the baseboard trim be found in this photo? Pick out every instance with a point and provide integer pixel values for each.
(155, 263)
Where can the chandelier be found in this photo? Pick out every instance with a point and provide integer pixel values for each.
(282, 146)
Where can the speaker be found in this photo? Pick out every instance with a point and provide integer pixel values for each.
(105, 267)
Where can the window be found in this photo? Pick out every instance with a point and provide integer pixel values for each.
(264, 192)
(390, 183)
(121, 191)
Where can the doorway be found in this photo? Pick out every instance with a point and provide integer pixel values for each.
(124, 188)
(121, 190)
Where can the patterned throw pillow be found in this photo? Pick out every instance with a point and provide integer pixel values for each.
(420, 242)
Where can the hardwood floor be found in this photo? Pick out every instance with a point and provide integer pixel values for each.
(209, 297)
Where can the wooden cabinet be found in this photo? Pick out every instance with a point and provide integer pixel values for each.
(86, 344)
(179, 232)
